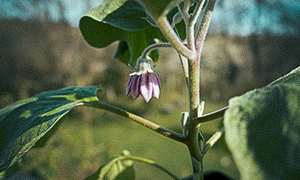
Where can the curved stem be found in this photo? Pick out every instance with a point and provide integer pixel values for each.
(157, 128)
(153, 47)
(211, 116)
(184, 10)
(171, 36)
(148, 161)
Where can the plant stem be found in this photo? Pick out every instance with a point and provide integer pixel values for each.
(148, 161)
(204, 26)
(194, 101)
(196, 13)
(194, 142)
(184, 10)
(184, 65)
(217, 135)
(153, 47)
(157, 128)
(172, 37)
(211, 116)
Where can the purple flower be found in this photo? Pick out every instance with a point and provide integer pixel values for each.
(143, 81)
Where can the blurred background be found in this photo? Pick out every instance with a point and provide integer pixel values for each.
(250, 44)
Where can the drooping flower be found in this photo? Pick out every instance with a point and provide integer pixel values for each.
(144, 81)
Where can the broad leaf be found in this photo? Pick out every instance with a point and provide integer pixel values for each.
(23, 123)
(263, 130)
(120, 20)
(119, 168)
(159, 8)
(125, 21)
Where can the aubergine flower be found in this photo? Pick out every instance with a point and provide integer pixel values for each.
(144, 81)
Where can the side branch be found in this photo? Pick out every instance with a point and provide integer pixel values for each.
(196, 13)
(213, 140)
(204, 27)
(157, 128)
(153, 47)
(172, 37)
(211, 116)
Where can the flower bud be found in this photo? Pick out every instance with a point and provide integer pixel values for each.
(144, 81)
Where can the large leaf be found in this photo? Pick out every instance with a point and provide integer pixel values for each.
(125, 21)
(159, 8)
(120, 20)
(263, 130)
(118, 168)
(23, 123)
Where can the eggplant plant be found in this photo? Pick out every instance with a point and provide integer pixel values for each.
(261, 127)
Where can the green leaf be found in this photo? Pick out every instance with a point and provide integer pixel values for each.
(23, 123)
(125, 14)
(263, 130)
(120, 20)
(119, 168)
(159, 8)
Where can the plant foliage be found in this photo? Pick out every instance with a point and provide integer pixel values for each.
(23, 123)
(120, 20)
(126, 21)
(263, 130)
(118, 168)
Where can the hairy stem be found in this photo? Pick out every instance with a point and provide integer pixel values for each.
(157, 128)
(184, 10)
(194, 101)
(196, 13)
(184, 65)
(194, 142)
(172, 37)
(204, 26)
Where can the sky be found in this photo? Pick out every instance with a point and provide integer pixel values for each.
(234, 17)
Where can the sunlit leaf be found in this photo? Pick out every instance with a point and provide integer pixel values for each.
(263, 130)
(23, 123)
(118, 168)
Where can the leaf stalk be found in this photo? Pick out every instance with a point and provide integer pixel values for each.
(155, 127)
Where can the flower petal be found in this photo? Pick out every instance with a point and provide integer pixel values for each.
(129, 84)
(156, 85)
(146, 87)
(135, 87)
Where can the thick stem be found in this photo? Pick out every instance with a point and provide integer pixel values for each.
(193, 136)
(194, 86)
(139, 120)
(172, 37)
(194, 143)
